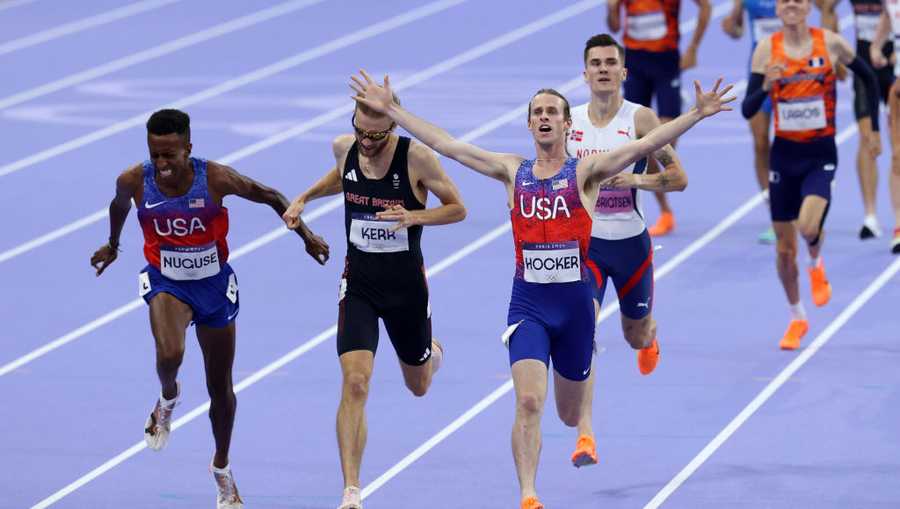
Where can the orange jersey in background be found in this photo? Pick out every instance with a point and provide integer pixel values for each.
(652, 25)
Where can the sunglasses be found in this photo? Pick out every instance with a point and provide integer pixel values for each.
(371, 135)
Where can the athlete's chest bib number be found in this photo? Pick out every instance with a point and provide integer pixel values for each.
(189, 263)
(764, 27)
(371, 235)
(612, 201)
(866, 25)
(557, 262)
(802, 115)
(649, 26)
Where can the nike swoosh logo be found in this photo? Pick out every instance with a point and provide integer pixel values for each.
(148, 205)
(231, 317)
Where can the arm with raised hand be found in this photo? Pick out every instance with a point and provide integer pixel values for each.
(380, 98)
(600, 166)
(329, 185)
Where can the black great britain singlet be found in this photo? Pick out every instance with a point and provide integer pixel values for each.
(376, 254)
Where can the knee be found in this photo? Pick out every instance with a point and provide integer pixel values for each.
(808, 230)
(169, 356)
(356, 385)
(419, 387)
(640, 334)
(529, 403)
(786, 254)
(570, 416)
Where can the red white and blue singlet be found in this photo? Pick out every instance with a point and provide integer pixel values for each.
(551, 312)
(186, 250)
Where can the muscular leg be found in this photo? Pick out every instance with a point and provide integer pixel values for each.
(356, 367)
(530, 382)
(786, 259)
(570, 396)
(218, 345)
(866, 167)
(169, 317)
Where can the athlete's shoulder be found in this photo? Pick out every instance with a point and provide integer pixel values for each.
(131, 177)
(420, 153)
(645, 120)
(341, 145)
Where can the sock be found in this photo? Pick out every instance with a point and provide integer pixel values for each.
(170, 402)
(437, 355)
(814, 262)
(797, 311)
(221, 471)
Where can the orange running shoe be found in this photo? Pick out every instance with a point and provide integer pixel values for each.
(664, 225)
(585, 452)
(648, 357)
(531, 503)
(821, 288)
(795, 332)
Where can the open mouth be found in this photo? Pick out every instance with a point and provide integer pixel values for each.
(166, 173)
(544, 128)
(603, 79)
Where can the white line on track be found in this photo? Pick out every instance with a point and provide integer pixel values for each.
(82, 24)
(9, 4)
(320, 120)
(775, 384)
(157, 51)
(335, 203)
(321, 50)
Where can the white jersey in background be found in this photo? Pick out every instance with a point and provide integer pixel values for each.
(617, 214)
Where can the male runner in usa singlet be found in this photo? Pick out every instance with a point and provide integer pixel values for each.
(187, 279)
(551, 312)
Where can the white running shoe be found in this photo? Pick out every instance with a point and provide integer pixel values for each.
(158, 425)
(228, 496)
(351, 499)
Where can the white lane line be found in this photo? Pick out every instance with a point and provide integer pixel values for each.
(332, 46)
(775, 384)
(82, 24)
(320, 120)
(157, 51)
(257, 376)
(9, 4)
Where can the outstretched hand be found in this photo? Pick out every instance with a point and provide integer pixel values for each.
(714, 101)
(375, 96)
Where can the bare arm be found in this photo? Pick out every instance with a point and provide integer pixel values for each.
(430, 175)
(330, 183)
(126, 185)
(733, 22)
(224, 181)
(673, 176)
(878, 42)
(597, 167)
(689, 58)
(613, 15)
(492, 164)
(829, 16)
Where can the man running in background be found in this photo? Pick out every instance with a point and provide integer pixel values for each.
(551, 315)
(866, 16)
(655, 64)
(187, 279)
(385, 180)
(796, 68)
(620, 245)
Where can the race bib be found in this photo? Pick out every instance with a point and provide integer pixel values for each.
(802, 115)
(189, 263)
(552, 262)
(866, 25)
(764, 27)
(650, 26)
(612, 201)
(373, 235)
